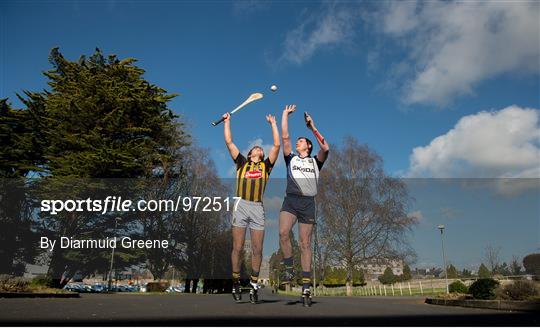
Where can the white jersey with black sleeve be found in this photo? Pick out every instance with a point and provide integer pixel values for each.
(302, 174)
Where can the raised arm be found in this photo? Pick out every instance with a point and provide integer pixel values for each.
(287, 147)
(233, 150)
(275, 135)
(323, 152)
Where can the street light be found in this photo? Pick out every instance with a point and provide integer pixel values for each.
(116, 219)
(441, 228)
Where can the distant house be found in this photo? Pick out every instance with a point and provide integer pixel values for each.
(375, 267)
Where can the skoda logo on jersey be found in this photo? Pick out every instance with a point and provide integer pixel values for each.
(303, 169)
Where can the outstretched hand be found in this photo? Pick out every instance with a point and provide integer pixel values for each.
(271, 119)
(226, 117)
(289, 109)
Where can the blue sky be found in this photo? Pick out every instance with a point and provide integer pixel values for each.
(438, 89)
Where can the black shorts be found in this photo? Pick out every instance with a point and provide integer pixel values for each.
(303, 207)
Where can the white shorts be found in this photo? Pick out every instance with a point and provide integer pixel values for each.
(248, 215)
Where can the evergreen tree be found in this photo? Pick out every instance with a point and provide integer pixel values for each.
(104, 120)
(101, 119)
(483, 271)
(388, 277)
(515, 267)
(20, 155)
(406, 273)
(452, 272)
(502, 269)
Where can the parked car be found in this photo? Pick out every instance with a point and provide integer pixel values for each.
(173, 289)
(98, 288)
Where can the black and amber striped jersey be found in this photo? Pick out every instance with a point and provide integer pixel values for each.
(251, 178)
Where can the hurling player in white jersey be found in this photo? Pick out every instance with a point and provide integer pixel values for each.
(299, 203)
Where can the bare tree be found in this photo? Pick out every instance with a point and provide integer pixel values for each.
(191, 233)
(364, 211)
(492, 257)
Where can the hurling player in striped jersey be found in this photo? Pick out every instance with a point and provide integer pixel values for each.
(252, 174)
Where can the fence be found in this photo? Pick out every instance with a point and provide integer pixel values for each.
(407, 288)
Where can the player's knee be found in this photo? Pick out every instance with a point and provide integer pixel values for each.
(305, 245)
(284, 235)
(236, 249)
(256, 251)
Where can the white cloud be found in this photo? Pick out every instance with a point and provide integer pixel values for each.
(417, 215)
(257, 142)
(400, 17)
(499, 144)
(453, 46)
(332, 26)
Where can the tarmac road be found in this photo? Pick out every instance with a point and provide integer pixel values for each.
(273, 310)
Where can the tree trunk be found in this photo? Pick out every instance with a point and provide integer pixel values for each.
(57, 268)
(194, 288)
(349, 280)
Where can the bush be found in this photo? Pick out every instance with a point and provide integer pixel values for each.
(157, 286)
(519, 290)
(484, 289)
(13, 284)
(41, 280)
(458, 287)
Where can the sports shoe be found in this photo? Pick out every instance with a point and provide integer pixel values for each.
(306, 297)
(254, 292)
(237, 292)
(254, 285)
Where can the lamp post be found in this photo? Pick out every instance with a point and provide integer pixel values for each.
(116, 219)
(441, 228)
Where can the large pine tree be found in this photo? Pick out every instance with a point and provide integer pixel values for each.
(20, 155)
(101, 119)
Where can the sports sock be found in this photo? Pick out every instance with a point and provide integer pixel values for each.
(288, 262)
(254, 276)
(306, 279)
(236, 277)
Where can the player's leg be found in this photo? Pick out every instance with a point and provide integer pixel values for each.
(306, 221)
(257, 239)
(304, 231)
(286, 222)
(239, 236)
(239, 225)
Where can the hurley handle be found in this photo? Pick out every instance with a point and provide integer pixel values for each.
(306, 118)
(218, 121)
